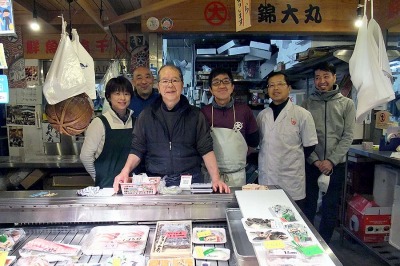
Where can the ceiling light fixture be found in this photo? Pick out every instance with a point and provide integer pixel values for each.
(360, 9)
(34, 23)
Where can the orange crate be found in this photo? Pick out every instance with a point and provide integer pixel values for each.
(149, 188)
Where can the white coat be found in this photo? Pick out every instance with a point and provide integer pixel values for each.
(281, 157)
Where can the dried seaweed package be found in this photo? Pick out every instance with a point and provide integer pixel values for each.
(173, 239)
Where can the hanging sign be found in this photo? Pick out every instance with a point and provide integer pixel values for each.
(382, 119)
(4, 92)
(242, 12)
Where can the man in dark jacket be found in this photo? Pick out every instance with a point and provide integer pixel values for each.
(173, 137)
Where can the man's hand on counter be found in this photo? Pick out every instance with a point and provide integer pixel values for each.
(121, 178)
(220, 186)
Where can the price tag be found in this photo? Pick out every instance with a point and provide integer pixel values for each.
(116, 261)
(186, 181)
(177, 234)
(274, 244)
(311, 250)
(205, 233)
(3, 257)
(199, 251)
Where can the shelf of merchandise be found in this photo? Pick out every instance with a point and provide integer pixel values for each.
(383, 250)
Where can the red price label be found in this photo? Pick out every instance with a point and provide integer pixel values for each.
(178, 234)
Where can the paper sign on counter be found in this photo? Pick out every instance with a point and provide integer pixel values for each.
(274, 244)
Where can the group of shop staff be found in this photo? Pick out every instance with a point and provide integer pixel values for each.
(163, 135)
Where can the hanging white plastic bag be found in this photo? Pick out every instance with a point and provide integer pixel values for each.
(112, 72)
(65, 77)
(369, 69)
(87, 65)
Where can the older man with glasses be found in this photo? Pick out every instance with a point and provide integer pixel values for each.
(233, 128)
(287, 137)
(173, 137)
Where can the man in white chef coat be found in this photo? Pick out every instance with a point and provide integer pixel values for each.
(287, 137)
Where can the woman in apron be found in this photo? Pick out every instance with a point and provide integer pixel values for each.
(233, 128)
(108, 137)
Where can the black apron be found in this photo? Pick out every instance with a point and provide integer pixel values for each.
(112, 159)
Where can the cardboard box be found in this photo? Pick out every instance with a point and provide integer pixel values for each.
(260, 45)
(226, 46)
(32, 178)
(252, 58)
(206, 51)
(72, 181)
(367, 221)
(239, 50)
(260, 53)
(268, 66)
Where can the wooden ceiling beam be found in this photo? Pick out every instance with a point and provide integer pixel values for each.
(41, 12)
(144, 10)
(85, 6)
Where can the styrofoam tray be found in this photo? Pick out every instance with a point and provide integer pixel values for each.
(105, 240)
(250, 225)
(172, 239)
(258, 237)
(284, 212)
(171, 262)
(299, 232)
(209, 235)
(13, 235)
(210, 253)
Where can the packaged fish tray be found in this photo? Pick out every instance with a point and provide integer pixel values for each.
(40, 246)
(171, 262)
(210, 253)
(209, 235)
(173, 239)
(260, 224)
(105, 240)
(9, 237)
(258, 237)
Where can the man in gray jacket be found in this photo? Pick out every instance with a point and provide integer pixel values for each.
(334, 117)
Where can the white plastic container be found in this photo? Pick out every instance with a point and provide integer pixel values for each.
(394, 237)
(385, 180)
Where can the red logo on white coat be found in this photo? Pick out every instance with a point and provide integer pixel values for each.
(293, 121)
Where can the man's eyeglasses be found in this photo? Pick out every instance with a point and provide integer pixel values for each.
(278, 85)
(165, 82)
(217, 82)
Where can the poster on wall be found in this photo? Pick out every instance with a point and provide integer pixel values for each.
(16, 136)
(7, 25)
(32, 72)
(49, 134)
(20, 115)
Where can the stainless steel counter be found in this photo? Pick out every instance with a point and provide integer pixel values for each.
(383, 156)
(67, 207)
(41, 161)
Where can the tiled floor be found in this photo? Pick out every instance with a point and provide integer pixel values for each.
(353, 254)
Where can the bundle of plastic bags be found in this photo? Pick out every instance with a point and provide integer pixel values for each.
(71, 72)
(369, 68)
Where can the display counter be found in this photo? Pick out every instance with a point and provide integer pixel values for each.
(66, 217)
